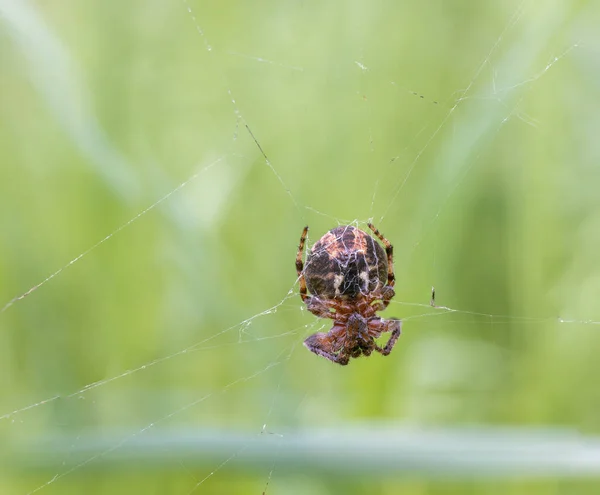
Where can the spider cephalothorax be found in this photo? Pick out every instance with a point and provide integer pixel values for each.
(350, 277)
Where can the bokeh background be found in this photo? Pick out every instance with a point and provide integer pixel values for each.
(167, 357)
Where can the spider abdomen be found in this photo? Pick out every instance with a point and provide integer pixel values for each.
(345, 263)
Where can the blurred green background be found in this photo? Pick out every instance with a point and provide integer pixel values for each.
(168, 358)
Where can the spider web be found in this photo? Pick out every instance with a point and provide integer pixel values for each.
(140, 351)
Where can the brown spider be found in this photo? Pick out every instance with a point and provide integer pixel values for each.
(350, 279)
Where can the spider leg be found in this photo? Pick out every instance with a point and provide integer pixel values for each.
(318, 307)
(389, 250)
(300, 265)
(395, 326)
(382, 298)
(324, 344)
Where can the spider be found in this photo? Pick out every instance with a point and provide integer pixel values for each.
(350, 279)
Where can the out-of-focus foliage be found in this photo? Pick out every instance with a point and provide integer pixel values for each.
(467, 131)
